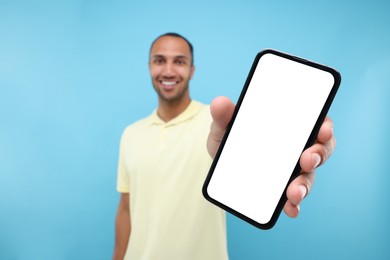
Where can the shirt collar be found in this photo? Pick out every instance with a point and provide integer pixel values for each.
(192, 109)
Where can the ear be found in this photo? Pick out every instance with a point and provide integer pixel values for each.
(192, 71)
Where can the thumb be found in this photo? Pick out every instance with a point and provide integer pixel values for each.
(221, 109)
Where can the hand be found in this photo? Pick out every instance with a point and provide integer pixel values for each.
(222, 110)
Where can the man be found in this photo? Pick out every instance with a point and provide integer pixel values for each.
(163, 162)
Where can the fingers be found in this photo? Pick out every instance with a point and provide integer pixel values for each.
(326, 131)
(291, 210)
(297, 191)
(221, 110)
(321, 150)
(310, 159)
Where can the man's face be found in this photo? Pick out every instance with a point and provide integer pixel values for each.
(171, 68)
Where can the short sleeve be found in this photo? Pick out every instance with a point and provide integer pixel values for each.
(123, 176)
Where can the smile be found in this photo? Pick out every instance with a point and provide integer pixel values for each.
(169, 83)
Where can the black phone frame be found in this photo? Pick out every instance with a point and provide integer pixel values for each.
(310, 141)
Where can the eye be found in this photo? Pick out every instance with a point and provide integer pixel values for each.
(180, 62)
(158, 60)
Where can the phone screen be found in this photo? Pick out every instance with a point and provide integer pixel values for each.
(283, 103)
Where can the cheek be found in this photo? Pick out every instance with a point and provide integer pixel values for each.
(185, 73)
(154, 72)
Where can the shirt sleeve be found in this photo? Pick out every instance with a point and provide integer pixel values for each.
(123, 176)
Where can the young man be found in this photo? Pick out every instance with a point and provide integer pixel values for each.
(164, 160)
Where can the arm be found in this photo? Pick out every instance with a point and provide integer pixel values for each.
(122, 227)
(222, 110)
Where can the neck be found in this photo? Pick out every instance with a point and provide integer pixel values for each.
(169, 110)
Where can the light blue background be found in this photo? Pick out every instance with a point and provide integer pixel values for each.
(73, 74)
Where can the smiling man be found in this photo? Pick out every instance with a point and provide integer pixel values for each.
(164, 159)
(171, 68)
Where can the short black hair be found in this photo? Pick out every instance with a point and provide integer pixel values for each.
(178, 36)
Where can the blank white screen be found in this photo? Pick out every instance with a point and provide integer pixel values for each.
(276, 117)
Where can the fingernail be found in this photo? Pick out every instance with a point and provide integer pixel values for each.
(302, 190)
(316, 159)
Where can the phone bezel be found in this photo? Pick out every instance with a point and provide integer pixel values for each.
(337, 80)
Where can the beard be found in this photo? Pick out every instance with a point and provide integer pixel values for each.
(177, 95)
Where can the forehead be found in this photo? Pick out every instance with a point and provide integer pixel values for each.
(170, 46)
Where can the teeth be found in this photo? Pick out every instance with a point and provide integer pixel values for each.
(169, 83)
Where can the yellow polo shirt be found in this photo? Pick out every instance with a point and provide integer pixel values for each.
(163, 166)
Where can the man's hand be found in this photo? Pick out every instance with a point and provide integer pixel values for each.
(222, 110)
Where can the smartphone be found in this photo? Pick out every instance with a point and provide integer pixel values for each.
(278, 115)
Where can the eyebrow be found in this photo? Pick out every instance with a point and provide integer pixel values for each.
(176, 57)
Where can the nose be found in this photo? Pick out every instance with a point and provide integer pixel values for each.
(169, 70)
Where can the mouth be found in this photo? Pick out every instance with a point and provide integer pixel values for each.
(168, 84)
